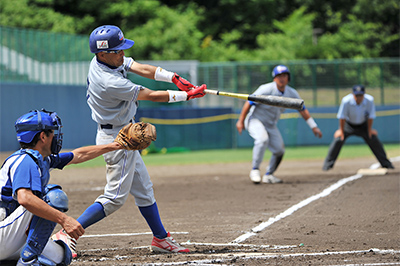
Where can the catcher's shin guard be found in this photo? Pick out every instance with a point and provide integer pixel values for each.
(39, 233)
(40, 229)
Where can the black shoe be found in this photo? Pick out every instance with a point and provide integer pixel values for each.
(326, 168)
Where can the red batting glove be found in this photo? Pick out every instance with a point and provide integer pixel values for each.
(197, 92)
(182, 83)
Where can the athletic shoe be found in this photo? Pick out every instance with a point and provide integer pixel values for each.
(255, 176)
(70, 241)
(167, 245)
(270, 179)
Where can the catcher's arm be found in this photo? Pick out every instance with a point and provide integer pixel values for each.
(87, 153)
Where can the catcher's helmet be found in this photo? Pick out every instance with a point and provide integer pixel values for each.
(280, 69)
(108, 37)
(28, 125)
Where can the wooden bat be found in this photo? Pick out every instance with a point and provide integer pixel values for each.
(285, 102)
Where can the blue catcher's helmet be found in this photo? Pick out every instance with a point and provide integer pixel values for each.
(280, 69)
(28, 125)
(108, 37)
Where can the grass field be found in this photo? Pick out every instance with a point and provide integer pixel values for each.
(243, 155)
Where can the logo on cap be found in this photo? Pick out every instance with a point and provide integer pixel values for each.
(281, 68)
(120, 35)
(102, 44)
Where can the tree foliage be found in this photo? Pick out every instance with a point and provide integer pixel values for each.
(224, 30)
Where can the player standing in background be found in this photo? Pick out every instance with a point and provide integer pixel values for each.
(261, 120)
(30, 208)
(112, 97)
(356, 115)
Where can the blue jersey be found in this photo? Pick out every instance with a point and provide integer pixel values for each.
(27, 168)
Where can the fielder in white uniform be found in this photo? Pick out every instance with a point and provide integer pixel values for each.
(261, 120)
(112, 97)
(30, 208)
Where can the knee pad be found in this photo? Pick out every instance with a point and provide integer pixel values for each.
(55, 197)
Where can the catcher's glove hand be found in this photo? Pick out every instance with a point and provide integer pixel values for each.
(136, 136)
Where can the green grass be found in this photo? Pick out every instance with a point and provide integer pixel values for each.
(244, 155)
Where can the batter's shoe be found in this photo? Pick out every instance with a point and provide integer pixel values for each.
(270, 179)
(69, 241)
(255, 176)
(167, 245)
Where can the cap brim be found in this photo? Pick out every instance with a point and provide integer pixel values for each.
(125, 45)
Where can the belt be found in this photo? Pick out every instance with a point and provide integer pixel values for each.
(109, 126)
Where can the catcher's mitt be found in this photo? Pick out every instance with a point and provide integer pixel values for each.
(136, 136)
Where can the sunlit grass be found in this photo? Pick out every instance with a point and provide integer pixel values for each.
(244, 155)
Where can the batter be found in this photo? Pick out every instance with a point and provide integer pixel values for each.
(113, 100)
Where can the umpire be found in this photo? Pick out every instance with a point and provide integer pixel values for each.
(356, 115)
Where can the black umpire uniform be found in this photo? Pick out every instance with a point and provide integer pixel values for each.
(356, 114)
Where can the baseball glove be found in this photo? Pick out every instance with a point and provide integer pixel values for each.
(136, 136)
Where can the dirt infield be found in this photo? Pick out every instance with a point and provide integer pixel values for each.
(208, 207)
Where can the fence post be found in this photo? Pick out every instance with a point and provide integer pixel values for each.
(314, 83)
(382, 83)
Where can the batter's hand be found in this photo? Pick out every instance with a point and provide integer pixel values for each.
(182, 83)
(317, 132)
(197, 92)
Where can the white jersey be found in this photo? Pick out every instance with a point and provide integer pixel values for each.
(111, 95)
(267, 114)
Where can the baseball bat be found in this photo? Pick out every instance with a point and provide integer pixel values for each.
(285, 102)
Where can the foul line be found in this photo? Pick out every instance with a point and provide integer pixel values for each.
(301, 204)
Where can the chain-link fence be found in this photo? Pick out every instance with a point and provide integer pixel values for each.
(52, 58)
(319, 82)
(43, 57)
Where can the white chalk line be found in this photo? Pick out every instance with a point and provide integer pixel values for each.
(302, 204)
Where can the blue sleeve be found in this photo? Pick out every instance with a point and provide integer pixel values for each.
(252, 103)
(61, 160)
(27, 175)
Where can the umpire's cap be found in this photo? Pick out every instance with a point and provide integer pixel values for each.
(108, 37)
(358, 89)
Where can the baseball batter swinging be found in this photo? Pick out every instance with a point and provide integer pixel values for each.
(112, 98)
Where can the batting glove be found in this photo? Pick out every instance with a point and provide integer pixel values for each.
(197, 92)
(182, 83)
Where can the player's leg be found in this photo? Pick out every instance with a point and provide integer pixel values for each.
(142, 190)
(12, 233)
(260, 135)
(119, 180)
(377, 149)
(39, 234)
(277, 147)
(336, 145)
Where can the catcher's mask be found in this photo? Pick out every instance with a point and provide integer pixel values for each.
(28, 125)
